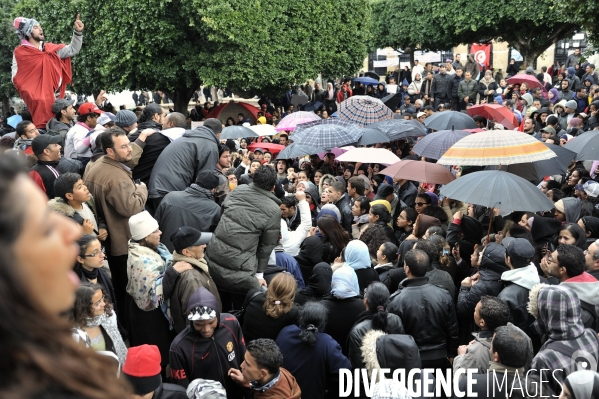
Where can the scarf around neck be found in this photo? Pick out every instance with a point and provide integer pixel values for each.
(109, 324)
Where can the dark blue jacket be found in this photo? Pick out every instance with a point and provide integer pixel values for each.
(312, 366)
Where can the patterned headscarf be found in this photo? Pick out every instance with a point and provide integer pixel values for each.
(24, 26)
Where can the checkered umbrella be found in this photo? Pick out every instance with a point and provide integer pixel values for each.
(496, 147)
(434, 145)
(289, 122)
(397, 129)
(364, 110)
(327, 133)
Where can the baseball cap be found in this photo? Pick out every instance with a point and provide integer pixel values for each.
(548, 129)
(105, 118)
(185, 237)
(259, 150)
(89, 108)
(59, 105)
(520, 251)
(419, 114)
(42, 141)
(591, 188)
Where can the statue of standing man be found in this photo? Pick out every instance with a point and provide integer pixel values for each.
(41, 69)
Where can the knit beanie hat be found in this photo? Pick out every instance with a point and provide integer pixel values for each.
(142, 368)
(125, 118)
(142, 225)
(206, 389)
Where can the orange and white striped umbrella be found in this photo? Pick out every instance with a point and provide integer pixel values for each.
(496, 147)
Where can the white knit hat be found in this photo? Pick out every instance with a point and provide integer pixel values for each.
(142, 225)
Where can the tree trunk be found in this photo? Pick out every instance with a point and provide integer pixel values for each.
(529, 55)
(181, 97)
(5, 106)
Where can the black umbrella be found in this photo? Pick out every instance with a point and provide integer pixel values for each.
(498, 189)
(392, 100)
(372, 136)
(535, 171)
(372, 75)
(312, 106)
(237, 132)
(295, 150)
(397, 129)
(586, 146)
(445, 120)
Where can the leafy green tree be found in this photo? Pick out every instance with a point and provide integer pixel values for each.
(530, 26)
(176, 45)
(8, 41)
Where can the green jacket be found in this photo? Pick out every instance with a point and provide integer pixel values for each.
(469, 89)
(246, 235)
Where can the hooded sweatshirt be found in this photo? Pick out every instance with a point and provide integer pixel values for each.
(571, 209)
(586, 288)
(193, 356)
(558, 316)
(518, 283)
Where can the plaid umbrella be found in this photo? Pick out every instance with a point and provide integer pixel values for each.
(364, 110)
(295, 150)
(397, 129)
(289, 122)
(434, 145)
(496, 147)
(327, 133)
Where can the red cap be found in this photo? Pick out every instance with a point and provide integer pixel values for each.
(142, 361)
(89, 108)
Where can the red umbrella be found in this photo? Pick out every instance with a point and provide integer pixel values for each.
(421, 171)
(496, 112)
(232, 109)
(530, 80)
(274, 149)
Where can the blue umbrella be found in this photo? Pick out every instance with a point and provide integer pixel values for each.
(237, 132)
(14, 120)
(372, 136)
(313, 106)
(397, 129)
(295, 150)
(327, 133)
(434, 145)
(366, 80)
(498, 189)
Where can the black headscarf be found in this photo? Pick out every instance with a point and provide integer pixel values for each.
(591, 225)
(318, 285)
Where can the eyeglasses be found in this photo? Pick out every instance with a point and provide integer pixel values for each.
(420, 203)
(97, 304)
(97, 253)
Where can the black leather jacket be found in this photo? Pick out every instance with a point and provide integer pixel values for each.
(429, 316)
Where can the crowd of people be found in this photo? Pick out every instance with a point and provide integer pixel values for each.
(202, 269)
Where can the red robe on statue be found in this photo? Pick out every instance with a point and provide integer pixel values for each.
(38, 77)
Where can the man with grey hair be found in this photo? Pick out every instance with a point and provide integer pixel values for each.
(591, 256)
(179, 164)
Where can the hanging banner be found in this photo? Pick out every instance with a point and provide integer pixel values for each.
(482, 53)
